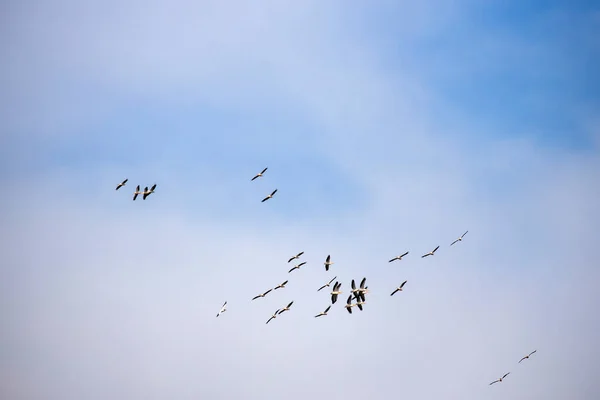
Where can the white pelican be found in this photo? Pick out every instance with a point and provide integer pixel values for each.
(223, 309)
(121, 184)
(323, 313)
(286, 308)
(349, 304)
(137, 191)
(527, 356)
(262, 295)
(399, 288)
(297, 266)
(269, 196)
(335, 292)
(430, 253)
(460, 238)
(328, 262)
(326, 285)
(398, 257)
(273, 316)
(259, 174)
(500, 380)
(297, 256)
(280, 286)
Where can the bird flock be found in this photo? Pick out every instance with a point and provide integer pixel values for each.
(357, 294)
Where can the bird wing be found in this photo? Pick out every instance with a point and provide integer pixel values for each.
(289, 305)
(453, 242)
(425, 255)
(327, 309)
(295, 267)
(332, 279)
(394, 292)
(505, 375)
(404, 254)
(393, 259)
(522, 359)
(153, 187)
(532, 352)
(290, 260)
(362, 283)
(362, 296)
(135, 195)
(328, 258)
(349, 310)
(353, 285)
(218, 314)
(269, 320)
(322, 287)
(125, 181)
(274, 191)
(333, 298)
(264, 170)
(403, 283)
(434, 250)
(224, 304)
(256, 297)
(265, 293)
(284, 283)
(255, 176)
(349, 301)
(265, 199)
(301, 264)
(494, 382)
(299, 254)
(463, 235)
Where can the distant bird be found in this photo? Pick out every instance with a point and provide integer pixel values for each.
(262, 295)
(328, 262)
(297, 266)
(398, 257)
(500, 380)
(280, 286)
(137, 191)
(260, 174)
(273, 316)
(460, 238)
(327, 284)
(430, 253)
(335, 292)
(399, 288)
(349, 304)
(223, 309)
(121, 184)
(323, 313)
(527, 356)
(297, 256)
(286, 308)
(148, 192)
(269, 196)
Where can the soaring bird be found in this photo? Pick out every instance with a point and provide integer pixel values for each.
(527, 356)
(223, 309)
(137, 191)
(500, 380)
(148, 192)
(323, 313)
(297, 256)
(430, 253)
(262, 295)
(398, 257)
(297, 266)
(286, 308)
(399, 288)
(335, 292)
(328, 262)
(269, 196)
(259, 174)
(273, 316)
(280, 286)
(460, 238)
(349, 304)
(327, 284)
(121, 184)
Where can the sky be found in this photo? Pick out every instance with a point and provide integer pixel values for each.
(387, 126)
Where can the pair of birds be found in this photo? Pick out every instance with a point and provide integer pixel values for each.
(508, 373)
(260, 174)
(280, 286)
(280, 311)
(147, 192)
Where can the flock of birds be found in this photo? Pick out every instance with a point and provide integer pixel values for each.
(357, 294)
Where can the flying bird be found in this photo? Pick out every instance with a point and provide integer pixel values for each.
(223, 309)
(262, 295)
(121, 184)
(398, 257)
(527, 356)
(273, 316)
(297, 256)
(327, 284)
(399, 288)
(323, 313)
(460, 238)
(137, 191)
(430, 253)
(280, 286)
(286, 308)
(148, 192)
(349, 304)
(500, 380)
(269, 196)
(259, 174)
(328, 262)
(297, 266)
(335, 292)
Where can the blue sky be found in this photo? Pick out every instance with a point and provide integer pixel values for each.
(387, 127)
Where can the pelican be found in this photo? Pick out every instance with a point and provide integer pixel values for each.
(500, 380)
(259, 174)
(398, 257)
(286, 308)
(323, 313)
(137, 191)
(148, 192)
(430, 253)
(527, 356)
(399, 288)
(121, 184)
(297, 256)
(273, 316)
(460, 238)
(262, 295)
(223, 309)
(269, 196)
(349, 304)
(326, 285)
(335, 292)
(297, 266)
(280, 286)
(328, 262)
